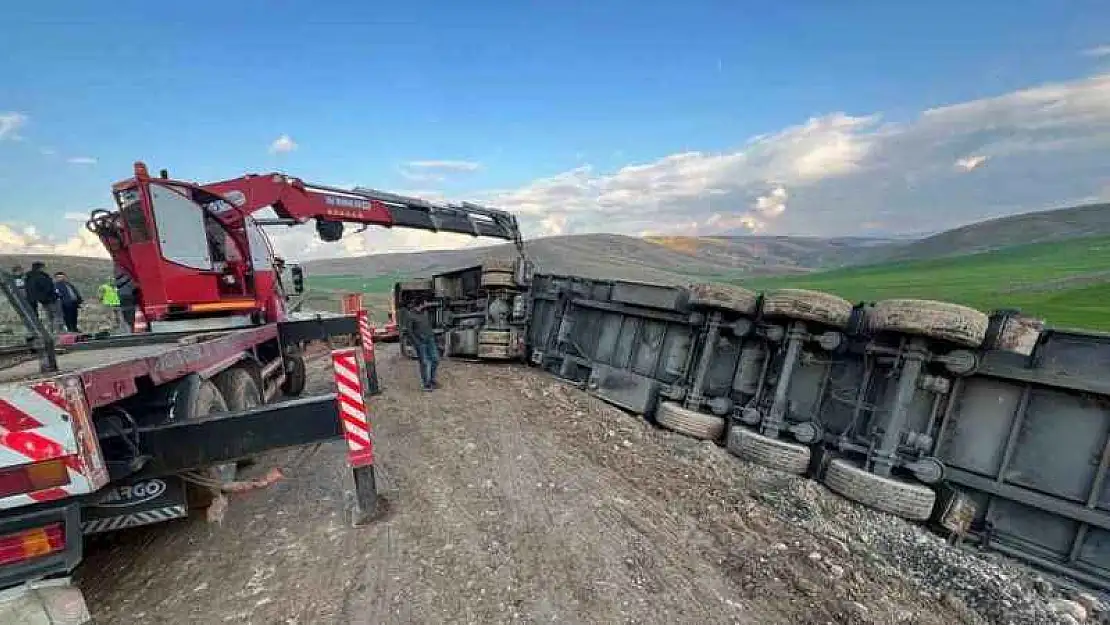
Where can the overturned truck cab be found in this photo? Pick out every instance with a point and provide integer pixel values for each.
(479, 312)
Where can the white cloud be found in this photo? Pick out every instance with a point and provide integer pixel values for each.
(81, 160)
(425, 172)
(1045, 146)
(75, 216)
(835, 174)
(1097, 51)
(10, 123)
(15, 239)
(47, 151)
(282, 145)
(773, 203)
(453, 166)
(301, 242)
(422, 177)
(969, 163)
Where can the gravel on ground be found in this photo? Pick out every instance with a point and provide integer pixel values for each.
(515, 498)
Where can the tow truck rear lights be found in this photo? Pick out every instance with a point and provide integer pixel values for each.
(32, 543)
(28, 478)
(221, 306)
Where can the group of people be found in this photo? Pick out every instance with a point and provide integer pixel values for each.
(60, 299)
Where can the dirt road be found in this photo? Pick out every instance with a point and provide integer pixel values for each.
(515, 499)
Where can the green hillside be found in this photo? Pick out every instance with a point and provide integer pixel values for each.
(354, 284)
(1065, 282)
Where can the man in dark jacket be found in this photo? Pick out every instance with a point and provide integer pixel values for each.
(40, 292)
(69, 298)
(418, 326)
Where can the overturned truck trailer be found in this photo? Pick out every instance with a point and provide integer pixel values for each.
(987, 426)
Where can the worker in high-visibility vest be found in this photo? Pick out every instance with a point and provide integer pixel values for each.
(109, 297)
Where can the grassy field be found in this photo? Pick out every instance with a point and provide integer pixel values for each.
(326, 292)
(1067, 283)
(354, 284)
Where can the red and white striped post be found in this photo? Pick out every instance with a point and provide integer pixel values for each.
(366, 334)
(357, 430)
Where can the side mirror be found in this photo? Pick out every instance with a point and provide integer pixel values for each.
(298, 278)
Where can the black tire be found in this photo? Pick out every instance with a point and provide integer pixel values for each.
(296, 374)
(909, 500)
(786, 456)
(498, 279)
(240, 392)
(502, 265)
(688, 422)
(239, 389)
(207, 400)
(803, 305)
(724, 297)
(495, 337)
(936, 320)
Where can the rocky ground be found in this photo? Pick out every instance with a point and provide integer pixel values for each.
(516, 499)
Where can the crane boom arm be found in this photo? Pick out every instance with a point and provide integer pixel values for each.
(295, 201)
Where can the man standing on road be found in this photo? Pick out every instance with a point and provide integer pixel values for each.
(109, 298)
(40, 292)
(419, 329)
(69, 298)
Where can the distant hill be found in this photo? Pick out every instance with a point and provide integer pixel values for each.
(670, 260)
(994, 234)
(673, 260)
(681, 259)
(758, 255)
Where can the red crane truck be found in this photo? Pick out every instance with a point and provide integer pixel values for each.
(107, 434)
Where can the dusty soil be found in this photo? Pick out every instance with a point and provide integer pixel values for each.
(516, 499)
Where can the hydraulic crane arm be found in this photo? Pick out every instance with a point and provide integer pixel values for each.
(186, 250)
(295, 202)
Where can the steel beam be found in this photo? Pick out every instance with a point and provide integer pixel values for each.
(216, 439)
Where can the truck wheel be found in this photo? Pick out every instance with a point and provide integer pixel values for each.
(936, 320)
(806, 305)
(240, 392)
(904, 499)
(498, 279)
(773, 453)
(685, 421)
(207, 400)
(495, 337)
(296, 377)
(723, 296)
(502, 265)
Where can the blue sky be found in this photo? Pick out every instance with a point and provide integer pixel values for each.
(525, 91)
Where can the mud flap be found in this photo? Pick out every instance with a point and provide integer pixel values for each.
(49, 602)
(134, 503)
(635, 393)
